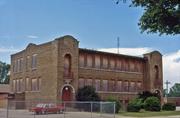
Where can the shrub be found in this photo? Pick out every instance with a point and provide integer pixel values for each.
(152, 104)
(169, 107)
(87, 93)
(135, 105)
(117, 102)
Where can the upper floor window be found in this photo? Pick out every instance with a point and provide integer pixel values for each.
(21, 64)
(18, 65)
(81, 60)
(34, 60)
(119, 64)
(27, 62)
(105, 62)
(132, 65)
(97, 61)
(89, 61)
(112, 64)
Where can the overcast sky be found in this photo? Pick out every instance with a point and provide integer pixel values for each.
(95, 23)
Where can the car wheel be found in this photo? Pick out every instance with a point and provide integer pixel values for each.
(43, 112)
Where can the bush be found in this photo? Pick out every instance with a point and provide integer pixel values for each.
(169, 107)
(87, 93)
(118, 104)
(135, 105)
(152, 104)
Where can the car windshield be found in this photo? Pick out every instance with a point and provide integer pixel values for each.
(39, 105)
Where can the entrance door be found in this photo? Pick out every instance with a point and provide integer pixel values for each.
(67, 94)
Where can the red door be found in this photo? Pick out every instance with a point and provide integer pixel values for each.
(67, 94)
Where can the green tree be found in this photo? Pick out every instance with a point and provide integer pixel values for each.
(152, 104)
(87, 93)
(160, 16)
(4, 70)
(175, 90)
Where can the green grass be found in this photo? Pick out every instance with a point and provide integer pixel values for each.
(149, 114)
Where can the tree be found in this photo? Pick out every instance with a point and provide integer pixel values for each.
(145, 94)
(175, 90)
(4, 73)
(152, 104)
(87, 93)
(160, 16)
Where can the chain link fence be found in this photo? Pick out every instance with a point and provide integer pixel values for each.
(71, 109)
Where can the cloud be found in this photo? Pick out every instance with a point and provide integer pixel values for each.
(129, 51)
(171, 61)
(32, 37)
(8, 50)
(171, 67)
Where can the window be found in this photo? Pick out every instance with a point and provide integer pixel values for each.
(89, 61)
(18, 65)
(14, 85)
(119, 64)
(97, 61)
(139, 86)
(105, 62)
(104, 85)
(119, 86)
(21, 85)
(17, 85)
(132, 86)
(111, 85)
(34, 61)
(39, 84)
(132, 66)
(81, 83)
(97, 85)
(126, 86)
(27, 84)
(21, 64)
(126, 65)
(13, 66)
(112, 64)
(88, 82)
(34, 85)
(27, 63)
(81, 60)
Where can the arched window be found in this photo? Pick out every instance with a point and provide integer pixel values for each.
(67, 64)
(156, 72)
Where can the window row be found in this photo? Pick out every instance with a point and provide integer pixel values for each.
(111, 85)
(21, 85)
(21, 64)
(105, 62)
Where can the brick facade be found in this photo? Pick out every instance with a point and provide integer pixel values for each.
(48, 71)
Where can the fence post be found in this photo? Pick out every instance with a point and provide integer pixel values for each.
(114, 109)
(100, 109)
(91, 109)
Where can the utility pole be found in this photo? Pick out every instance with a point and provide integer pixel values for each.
(167, 83)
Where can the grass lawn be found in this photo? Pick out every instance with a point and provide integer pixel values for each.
(149, 114)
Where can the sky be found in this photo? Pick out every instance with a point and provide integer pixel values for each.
(95, 23)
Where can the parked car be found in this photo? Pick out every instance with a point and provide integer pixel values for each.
(47, 108)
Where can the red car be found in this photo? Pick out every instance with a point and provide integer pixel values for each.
(47, 108)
